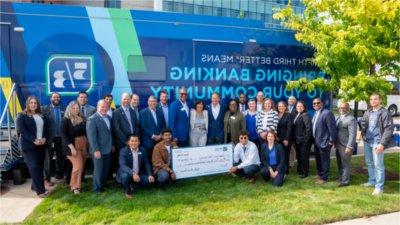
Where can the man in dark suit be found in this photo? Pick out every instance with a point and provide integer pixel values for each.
(324, 133)
(134, 166)
(125, 124)
(163, 106)
(347, 128)
(216, 114)
(292, 101)
(179, 119)
(99, 133)
(242, 103)
(135, 102)
(151, 123)
(54, 113)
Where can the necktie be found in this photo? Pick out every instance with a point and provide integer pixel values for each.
(83, 111)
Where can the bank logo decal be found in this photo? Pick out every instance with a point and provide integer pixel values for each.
(69, 74)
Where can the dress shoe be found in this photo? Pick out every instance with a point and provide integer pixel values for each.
(302, 176)
(48, 183)
(343, 185)
(252, 180)
(320, 182)
(128, 196)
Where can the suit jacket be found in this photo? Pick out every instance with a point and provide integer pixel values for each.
(325, 129)
(346, 130)
(26, 128)
(236, 124)
(302, 129)
(216, 126)
(121, 126)
(179, 120)
(99, 135)
(280, 157)
(126, 162)
(89, 111)
(68, 134)
(47, 111)
(193, 118)
(148, 126)
(285, 127)
(160, 156)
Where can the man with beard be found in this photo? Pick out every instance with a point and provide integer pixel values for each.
(54, 114)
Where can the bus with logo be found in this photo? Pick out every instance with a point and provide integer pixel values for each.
(67, 49)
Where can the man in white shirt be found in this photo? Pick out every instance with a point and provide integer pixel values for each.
(260, 100)
(246, 160)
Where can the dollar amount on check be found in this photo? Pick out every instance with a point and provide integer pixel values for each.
(201, 161)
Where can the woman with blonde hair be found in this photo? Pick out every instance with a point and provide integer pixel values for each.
(74, 142)
(33, 132)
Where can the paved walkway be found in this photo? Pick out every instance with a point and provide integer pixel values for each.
(18, 202)
(385, 219)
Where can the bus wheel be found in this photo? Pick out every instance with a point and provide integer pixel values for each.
(393, 110)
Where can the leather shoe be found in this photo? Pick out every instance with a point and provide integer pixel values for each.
(343, 185)
(128, 196)
(320, 181)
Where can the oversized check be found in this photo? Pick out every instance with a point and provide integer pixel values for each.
(200, 161)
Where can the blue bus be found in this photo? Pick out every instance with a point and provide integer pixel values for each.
(67, 49)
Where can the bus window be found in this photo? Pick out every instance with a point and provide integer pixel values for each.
(155, 68)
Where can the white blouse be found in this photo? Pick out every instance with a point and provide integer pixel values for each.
(39, 126)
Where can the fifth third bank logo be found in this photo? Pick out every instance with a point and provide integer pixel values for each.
(69, 74)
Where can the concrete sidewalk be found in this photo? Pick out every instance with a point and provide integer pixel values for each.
(385, 219)
(18, 202)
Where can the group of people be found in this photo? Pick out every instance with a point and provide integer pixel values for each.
(135, 144)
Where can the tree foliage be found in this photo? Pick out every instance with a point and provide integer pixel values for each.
(351, 38)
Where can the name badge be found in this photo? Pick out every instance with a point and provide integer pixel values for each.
(182, 109)
(139, 153)
(232, 117)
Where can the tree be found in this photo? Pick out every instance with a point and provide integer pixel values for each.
(351, 38)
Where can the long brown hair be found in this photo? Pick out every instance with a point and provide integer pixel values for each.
(27, 110)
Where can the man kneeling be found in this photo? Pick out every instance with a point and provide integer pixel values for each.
(162, 159)
(246, 158)
(134, 166)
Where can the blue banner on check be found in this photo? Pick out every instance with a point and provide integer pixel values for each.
(201, 161)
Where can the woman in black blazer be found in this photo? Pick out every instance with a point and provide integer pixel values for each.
(74, 142)
(302, 138)
(285, 131)
(33, 130)
(272, 157)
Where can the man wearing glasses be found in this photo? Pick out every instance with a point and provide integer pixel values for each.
(245, 157)
(324, 133)
(179, 119)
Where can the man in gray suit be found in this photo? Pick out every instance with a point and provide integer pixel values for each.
(347, 128)
(99, 133)
(86, 109)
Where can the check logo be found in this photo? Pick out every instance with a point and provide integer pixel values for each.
(69, 74)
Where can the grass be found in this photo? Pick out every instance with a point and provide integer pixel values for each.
(223, 199)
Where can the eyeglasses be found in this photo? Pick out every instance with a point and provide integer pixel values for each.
(316, 103)
(183, 93)
(243, 138)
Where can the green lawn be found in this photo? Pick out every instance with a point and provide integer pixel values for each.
(226, 200)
